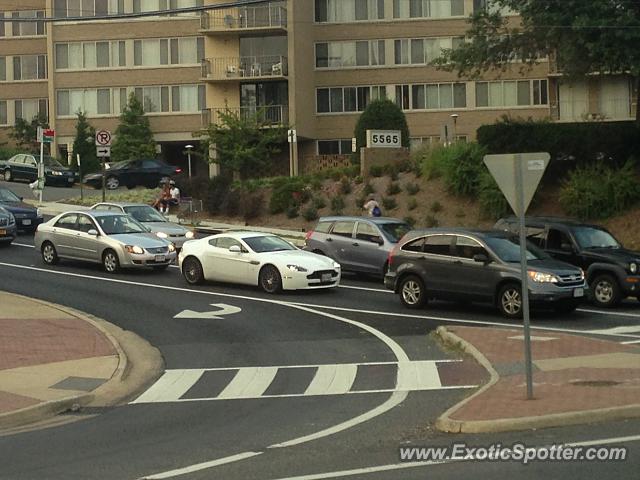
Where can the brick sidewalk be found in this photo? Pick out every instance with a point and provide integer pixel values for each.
(573, 377)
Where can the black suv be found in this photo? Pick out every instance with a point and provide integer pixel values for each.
(612, 271)
(131, 173)
(470, 265)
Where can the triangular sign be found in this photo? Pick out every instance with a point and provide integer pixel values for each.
(503, 169)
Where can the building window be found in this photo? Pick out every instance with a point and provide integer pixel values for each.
(422, 51)
(428, 8)
(90, 55)
(3, 69)
(431, 96)
(4, 118)
(341, 11)
(334, 147)
(514, 93)
(25, 29)
(30, 67)
(168, 51)
(2, 29)
(347, 99)
(30, 109)
(159, 5)
(87, 8)
(350, 54)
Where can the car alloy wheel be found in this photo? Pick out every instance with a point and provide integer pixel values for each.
(606, 291)
(49, 254)
(7, 175)
(112, 183)
(192, 271)
(412, 292)
(510, 301)
(110, 261)
(270, 280)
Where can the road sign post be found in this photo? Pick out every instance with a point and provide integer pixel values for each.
(103, 150)
(44, 135)
(518, 186)
(292, 137)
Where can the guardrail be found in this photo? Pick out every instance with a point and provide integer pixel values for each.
(230, 68)
(245, 18)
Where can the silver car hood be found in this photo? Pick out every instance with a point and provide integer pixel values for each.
(166, 227)
(144, 240)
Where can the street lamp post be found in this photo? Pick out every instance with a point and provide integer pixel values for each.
(455, 116)
(189, 148)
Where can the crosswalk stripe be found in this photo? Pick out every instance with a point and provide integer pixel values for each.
(614, 330)
(171, 386)
(420, 375)
(332, 379)
(250, 382)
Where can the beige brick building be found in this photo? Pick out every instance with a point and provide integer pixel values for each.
(312, 64)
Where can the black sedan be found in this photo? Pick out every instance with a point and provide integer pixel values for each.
(25, 167)
(7, 227)
(131, 173)
(27, 217)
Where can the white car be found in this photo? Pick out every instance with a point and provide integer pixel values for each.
(253, 258)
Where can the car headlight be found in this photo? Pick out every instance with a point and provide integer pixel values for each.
(162, 235)
(542, 277)
(296, 268)
(189, 234)
(134, 249)
(12, 219)
(56, 173)
(38, 212)
(336, 265)
(633, 267)
(172, 247)
(581, 274)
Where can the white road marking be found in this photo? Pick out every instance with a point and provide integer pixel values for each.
(629, 329)
(609, 312)
(202, 466)
(171, 386)
(224, 309)
(632, 342)
(332, 380)
(250, 382)
(367, 289)
(23, 245)
(420, 375)
(533, 338)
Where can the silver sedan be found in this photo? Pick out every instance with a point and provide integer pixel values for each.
(113, 239)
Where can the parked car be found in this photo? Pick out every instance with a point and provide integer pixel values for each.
(613, 272)
(27, 217)
(25, 167)
(469, 265)
(113, 239)
(132, 173)
(358, 244)
(8, 228)
(150, 218)
(260, 259)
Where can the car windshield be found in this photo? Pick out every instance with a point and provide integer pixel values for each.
(508, 249)
(145, 214)
(8, 196)
(119, 165)
(120, 224)
(590, 237)
(51, 162)
(394, 231)
(268, 244)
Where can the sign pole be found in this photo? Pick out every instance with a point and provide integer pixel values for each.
(524, 294)
(104, 181)
(41, 169)
(80, 175)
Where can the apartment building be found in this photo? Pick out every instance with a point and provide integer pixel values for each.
(311, 64)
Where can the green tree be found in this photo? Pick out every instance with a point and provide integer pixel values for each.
(84, 145)
(244, 144)
(381, 115)
(25, 133)
(133, 137)
(581, 36)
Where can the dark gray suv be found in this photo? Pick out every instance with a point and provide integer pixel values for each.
(470, 265)
(358, 244)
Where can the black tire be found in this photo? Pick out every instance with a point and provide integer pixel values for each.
(605, 291)
(509, 301)
(130, 187)
(566, 307)
(192, 271)
(269, 279)
(112, 183)
(49, 253)
(7, 176)
(160, 268)
(412, 292)
(5, 244)
(110, 261)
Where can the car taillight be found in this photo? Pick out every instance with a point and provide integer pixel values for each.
(178, 170)
(308, 235)
(391, 255)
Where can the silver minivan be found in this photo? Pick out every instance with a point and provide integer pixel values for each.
(358, 244)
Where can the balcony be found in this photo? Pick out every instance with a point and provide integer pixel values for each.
(579, 110)
(245, 68)
(267, 116)
(268, 18)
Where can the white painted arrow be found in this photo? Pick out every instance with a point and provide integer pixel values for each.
(224, 310)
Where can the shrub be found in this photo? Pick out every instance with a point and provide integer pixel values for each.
(393, 188)
(6, 153)
(492, 202)
(431, 221)
(310, 214)
(460, 213)
(412, 204)
(315, 184)
(358, 179)
(376, 170)
(337, 205)
(318, 202)
(345, 186)
(393, 170)
(368, 189)
(389, 203)
(381, 115)
(412, 188)
(436, 207)
(360, 200)
(335, 175)
(213, 195)
(460, 165)
(251, 204)
(231, 203)
(292, 211)
(287, 192)
(410, 220)
(598, 191)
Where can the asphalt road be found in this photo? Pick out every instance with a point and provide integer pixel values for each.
(188, 432)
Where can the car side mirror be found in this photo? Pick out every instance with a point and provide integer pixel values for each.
(235, 249)
(93, 232)
(481, 258)
(566, 247)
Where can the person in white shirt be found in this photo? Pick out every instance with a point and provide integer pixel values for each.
(372, 206)
(174, 191)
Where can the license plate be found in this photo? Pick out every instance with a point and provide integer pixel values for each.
(326, 277)
(578, 292)
(3, 231)
(160, 258)
(26, 222)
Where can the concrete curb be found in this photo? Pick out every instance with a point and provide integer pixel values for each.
(42, 411)
(446, 424)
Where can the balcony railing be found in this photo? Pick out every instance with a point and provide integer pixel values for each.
(233, 68)
(270, 16)
(579, 110)
(266, 116)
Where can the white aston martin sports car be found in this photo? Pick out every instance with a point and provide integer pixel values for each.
(253, 258)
